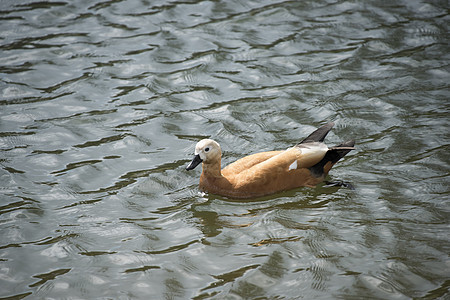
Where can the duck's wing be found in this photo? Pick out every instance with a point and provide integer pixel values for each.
(296, 157)
(311, 147)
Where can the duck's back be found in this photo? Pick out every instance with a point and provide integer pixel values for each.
(247, 162)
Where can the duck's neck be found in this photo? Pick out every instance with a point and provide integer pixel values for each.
(212, 170)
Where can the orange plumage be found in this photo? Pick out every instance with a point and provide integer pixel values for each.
(260, 174)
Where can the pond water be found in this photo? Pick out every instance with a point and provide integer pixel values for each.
(102, 102)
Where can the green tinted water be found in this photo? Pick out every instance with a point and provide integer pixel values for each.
(103, 102)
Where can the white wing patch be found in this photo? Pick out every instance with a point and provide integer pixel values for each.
(293, 166)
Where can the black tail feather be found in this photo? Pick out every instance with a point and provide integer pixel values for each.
(339, 151)
(333, 155)
(319, 134)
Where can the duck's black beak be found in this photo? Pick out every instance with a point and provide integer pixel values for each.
(195, 162)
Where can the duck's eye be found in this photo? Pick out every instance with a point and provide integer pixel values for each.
(206, 149)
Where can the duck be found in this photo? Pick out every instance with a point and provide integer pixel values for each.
(304, 165)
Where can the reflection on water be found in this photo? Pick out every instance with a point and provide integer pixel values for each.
(103, 102)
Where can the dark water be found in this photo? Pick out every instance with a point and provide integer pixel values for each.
(102, 102)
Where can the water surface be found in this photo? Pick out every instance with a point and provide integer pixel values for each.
(102, 103)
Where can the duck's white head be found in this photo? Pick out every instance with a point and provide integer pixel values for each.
(206, 151)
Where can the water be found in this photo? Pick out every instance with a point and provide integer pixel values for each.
(102, 103)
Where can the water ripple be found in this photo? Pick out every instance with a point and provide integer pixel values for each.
(102, 105)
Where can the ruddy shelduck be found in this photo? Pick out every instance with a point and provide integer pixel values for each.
(260, 174)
